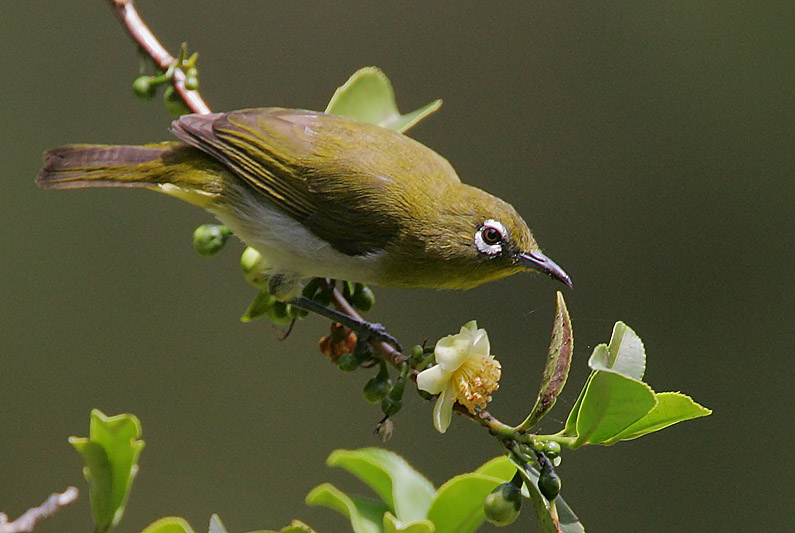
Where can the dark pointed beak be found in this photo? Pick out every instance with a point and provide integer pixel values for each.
(542, 263)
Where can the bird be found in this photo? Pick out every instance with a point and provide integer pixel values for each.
(321, 195)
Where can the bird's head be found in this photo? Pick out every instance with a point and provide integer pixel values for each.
(476, 237)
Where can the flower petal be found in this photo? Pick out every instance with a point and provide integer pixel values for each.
(472, 326)
(433, 379)
(480, 344)
(443, 410)
(451, 352)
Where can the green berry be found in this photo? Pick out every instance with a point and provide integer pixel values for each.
(144, 88)
(548, 480)
(551, 449)
(209, 239)
(348, 362)
(280, 313)
(376, 389)
(363, 298)
(191, 83)
(503, 504)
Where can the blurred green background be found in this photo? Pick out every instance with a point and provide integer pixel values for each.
(648, 145)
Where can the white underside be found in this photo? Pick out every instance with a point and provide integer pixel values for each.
(288, 247)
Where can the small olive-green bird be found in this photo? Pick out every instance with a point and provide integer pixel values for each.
(320, 195)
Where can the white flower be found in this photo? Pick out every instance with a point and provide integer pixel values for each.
(465, 373)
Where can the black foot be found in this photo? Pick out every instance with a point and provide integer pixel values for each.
(377, 331)
(365, 330)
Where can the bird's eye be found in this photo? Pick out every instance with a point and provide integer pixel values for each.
(490, 237)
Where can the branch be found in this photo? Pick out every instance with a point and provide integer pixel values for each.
(148, 43)
(26, 522)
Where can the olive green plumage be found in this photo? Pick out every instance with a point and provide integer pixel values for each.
(322, 195)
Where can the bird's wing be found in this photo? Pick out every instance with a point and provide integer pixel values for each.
(344, 180)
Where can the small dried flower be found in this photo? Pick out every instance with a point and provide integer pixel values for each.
(340, 341)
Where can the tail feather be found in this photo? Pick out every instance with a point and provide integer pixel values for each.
(173, 168)
(89, 165)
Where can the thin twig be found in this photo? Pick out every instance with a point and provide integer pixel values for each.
(26, 522)
(146, 40)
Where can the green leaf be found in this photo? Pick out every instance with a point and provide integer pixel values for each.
(570, 429)
(612, 402)
(296, 526)
(393, 525)
(367, 96)
(169, 524)
(366, 515)
(672, 407)
(500, 467)
(259, 306)
(556, 371)
(458, 506)
(405, 491)
(625, 353)
(615, 404)
(111, 455)
(216, 526)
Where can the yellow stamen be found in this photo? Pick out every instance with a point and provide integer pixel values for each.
(475, 381)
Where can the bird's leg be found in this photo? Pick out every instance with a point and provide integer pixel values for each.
(365, 330)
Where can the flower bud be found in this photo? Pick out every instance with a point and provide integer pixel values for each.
(417, 352)
(378, 386)
(144, 88)
(376, 389)
(209, 239)
(548, 479)
(191, 78)
(503, 504)
(363, 298)
(253, 265)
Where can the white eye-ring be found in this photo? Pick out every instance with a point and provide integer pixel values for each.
(490, 237)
